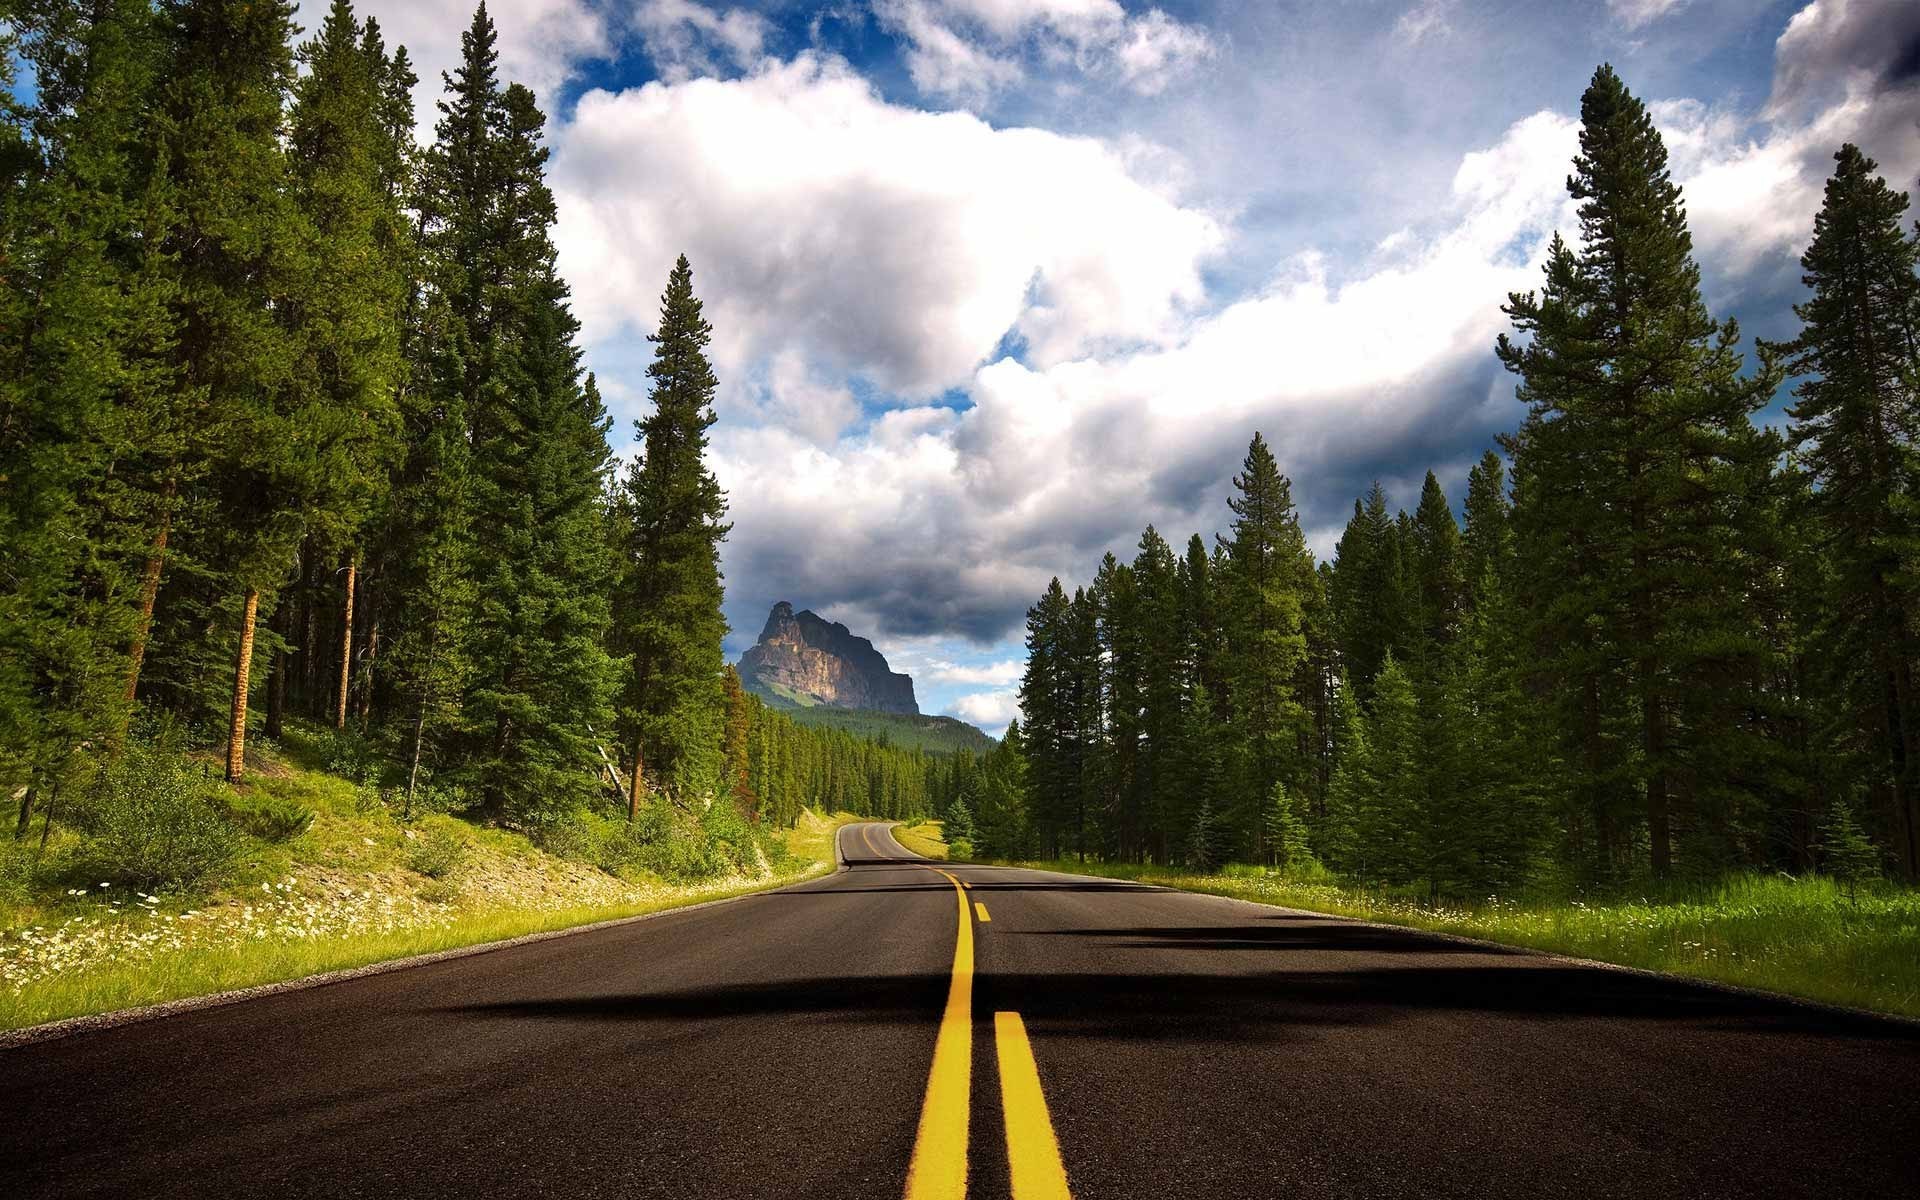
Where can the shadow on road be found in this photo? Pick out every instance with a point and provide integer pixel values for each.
(1284, 935)
(1230, 1006)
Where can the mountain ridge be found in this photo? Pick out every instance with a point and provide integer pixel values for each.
(806, 661)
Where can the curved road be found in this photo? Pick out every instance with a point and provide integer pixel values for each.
(781, 1045)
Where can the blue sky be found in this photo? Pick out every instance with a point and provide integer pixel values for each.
(997, 282)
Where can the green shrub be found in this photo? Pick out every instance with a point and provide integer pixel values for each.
(153, 820)
(959, 849)
(437, 853)
(270, 818)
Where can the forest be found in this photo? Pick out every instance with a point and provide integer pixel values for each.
(1670, 640)
(294, 428)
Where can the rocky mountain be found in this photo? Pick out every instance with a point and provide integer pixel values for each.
(805, 660)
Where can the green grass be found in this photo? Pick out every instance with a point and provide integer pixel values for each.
(923, 838)
(198, 970)
(1798, 936)
(359, 886)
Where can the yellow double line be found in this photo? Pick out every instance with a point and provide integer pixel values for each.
(938, 1170)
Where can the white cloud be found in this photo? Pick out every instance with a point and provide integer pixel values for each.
(685, 39)
(940, 521)
(1638, 14)
(886, 241)
(991, 711)
(996, 674)
(965, 50)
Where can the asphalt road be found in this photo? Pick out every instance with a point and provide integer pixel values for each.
(782, 1045)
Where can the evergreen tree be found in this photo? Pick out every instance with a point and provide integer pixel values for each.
(1389, 829)
(1856, 421)
(506, 367)
(1287, 829)
(1268, 585)
(350, 293)
(87, 401)
(733, 751)
(249, 465)
(1486, 544)
(1643, 481)
(1846, 852)
(668, 617)
(1369, 591)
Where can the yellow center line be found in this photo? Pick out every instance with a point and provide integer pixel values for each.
(982, 910)
(1033, 1153)
(938, 1170)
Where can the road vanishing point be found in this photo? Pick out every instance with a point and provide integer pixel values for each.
(907, 1028)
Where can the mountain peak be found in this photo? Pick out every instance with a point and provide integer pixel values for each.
(804, 659)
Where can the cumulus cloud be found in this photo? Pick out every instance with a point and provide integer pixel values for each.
(991, 711)
(999, 674)
(685, 39)
(941, 521)
(1844, 47)
(965, 50)
(888, 242)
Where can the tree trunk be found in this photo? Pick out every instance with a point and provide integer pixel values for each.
(26, 807)
(366, 672)
(413, 771)
(242, 669)
(633, 788)
(149, 592)
(346, 646)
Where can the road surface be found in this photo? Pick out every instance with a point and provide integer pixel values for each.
(857, 1036)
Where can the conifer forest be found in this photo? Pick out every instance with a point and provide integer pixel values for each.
(295, 427)
(1668, 640)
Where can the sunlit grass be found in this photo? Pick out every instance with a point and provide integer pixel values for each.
(338, 896)
(923, 838)
(115, 960)
(812, 835)
(1800, 936)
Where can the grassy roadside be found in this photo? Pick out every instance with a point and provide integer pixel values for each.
(1802, 937)
(923, 838)
(356, 887)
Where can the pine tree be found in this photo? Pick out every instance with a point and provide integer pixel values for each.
(1846, 852)
(1049, 701)
(1267, 588)
(1389, 830)
(1486, 544)
(503, 363)
(1856, 423)
(1371, 608)
(1287, 830)
(1158, 656)
(733, 752)
(233, 237)
(349, 296)
(668, 617)
(87, 401)
(1642, 477)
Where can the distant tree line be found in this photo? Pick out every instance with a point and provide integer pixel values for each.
(1669, 640)
(293, 422)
